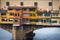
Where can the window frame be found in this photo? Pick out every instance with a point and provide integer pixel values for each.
(7, 3)
(21, 3)
(35, 3)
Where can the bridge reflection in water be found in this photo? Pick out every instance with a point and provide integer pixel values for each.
(40, 34)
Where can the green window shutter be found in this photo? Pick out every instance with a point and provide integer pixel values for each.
(46, 14)
(39, 14)
(33, 14)
(59, 22)
(30, 14)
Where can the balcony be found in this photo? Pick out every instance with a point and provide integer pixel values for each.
(56, 15)
(46, 16)
(26, 11)
(39, 23)
(3, 16)
(33, 23)
(26, 23)
(47, 23)
(26, 15)
(11, 11)
(6, 22)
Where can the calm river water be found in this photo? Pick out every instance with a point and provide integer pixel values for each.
(40, 34)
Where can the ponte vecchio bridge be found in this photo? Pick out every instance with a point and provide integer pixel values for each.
(22, 21)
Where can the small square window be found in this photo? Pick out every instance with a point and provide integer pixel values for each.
(21, 3)
(35, 3)
(12, 14)
(50, 3)
(7, 3)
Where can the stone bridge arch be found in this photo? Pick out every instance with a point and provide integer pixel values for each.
(23, 31)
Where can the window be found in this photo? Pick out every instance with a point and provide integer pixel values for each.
(7, 3)
(3, 13)
(12, 14)
(32, 9)
(41, 20)
(55, 14)
(25, 19)
(32, 20)
(47, 14)
(10, 9)
(17, 20)
(50, 3)
(25, 9)
(54, 21)
(39, 14)
(4, 19)
(32, 14)
(35, 3)
(21, 3)
(47, 20)
(15, 14)
(37, 20)
(18, 14)
(25, 14)
(17, 9)
(11, 20)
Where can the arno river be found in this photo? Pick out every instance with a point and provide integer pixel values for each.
(40, 34)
